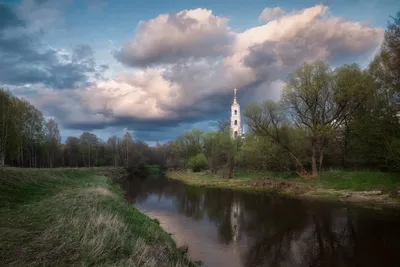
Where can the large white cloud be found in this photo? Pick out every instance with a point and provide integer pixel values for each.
(193, 62)
(170, 37)
(273, 50)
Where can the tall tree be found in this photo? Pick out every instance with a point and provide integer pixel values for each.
(88, 145)
(126, 146)
(72, 152)
(319, 101)
(270, 120)
(5, 120)
(113, 144)
(390, 53)
(53, 140)
(35, 133)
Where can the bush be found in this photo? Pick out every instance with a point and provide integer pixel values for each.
(198, 162)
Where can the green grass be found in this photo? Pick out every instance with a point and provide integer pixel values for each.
(76, 217)
(358, 180)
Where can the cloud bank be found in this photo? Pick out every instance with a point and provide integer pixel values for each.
(181, 67)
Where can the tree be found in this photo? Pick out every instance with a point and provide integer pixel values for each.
(390, 54)
(126, 144)
(34, 130)
(217, 146)
(319, 101)
(173, 153)
(88, 143)
(5, 111)
(269, 120)
(112, 145)
(198, 162)
(72, 152)
(190, 144)
(53, 140)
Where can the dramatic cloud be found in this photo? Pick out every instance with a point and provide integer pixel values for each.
(170, 37)
(187, 66)
(273, 50)
(26, 61)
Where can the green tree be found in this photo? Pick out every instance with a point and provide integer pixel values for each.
(190, 143)
(88, 148)
(72, 152)
(269, 120)
(5, 121)
(319, 101)
(126, 146)
(112, 145)
(53, 140)
(198, 162)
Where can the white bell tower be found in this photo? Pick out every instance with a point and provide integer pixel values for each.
(236, 126)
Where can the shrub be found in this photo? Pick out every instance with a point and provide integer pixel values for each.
(198, 162)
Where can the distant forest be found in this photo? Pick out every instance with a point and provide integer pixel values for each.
(345, 117)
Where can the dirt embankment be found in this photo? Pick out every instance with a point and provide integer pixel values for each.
(280, 186)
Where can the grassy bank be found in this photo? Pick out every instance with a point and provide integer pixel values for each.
(368, 188)
(76, 217)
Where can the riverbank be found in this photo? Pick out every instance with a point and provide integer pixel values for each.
(366, 188)
(64, 217)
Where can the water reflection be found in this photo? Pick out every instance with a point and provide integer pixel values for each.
(229, 228)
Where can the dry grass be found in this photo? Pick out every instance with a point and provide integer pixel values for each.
(76, 218)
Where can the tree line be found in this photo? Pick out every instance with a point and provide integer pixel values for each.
(347, 117)
(28, 140)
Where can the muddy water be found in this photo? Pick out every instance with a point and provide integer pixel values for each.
(229, 228)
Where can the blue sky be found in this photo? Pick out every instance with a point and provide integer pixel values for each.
(93, 66)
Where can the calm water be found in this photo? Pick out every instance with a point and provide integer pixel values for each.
(228, 228)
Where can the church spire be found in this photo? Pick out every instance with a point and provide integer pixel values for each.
(234, 96)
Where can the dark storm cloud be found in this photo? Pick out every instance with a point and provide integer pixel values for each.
(25, 60)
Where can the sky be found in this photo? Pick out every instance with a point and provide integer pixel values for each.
(160, 68)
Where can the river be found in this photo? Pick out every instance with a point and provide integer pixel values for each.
(224, 227)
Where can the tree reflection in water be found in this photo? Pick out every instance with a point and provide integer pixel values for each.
(270, 230)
